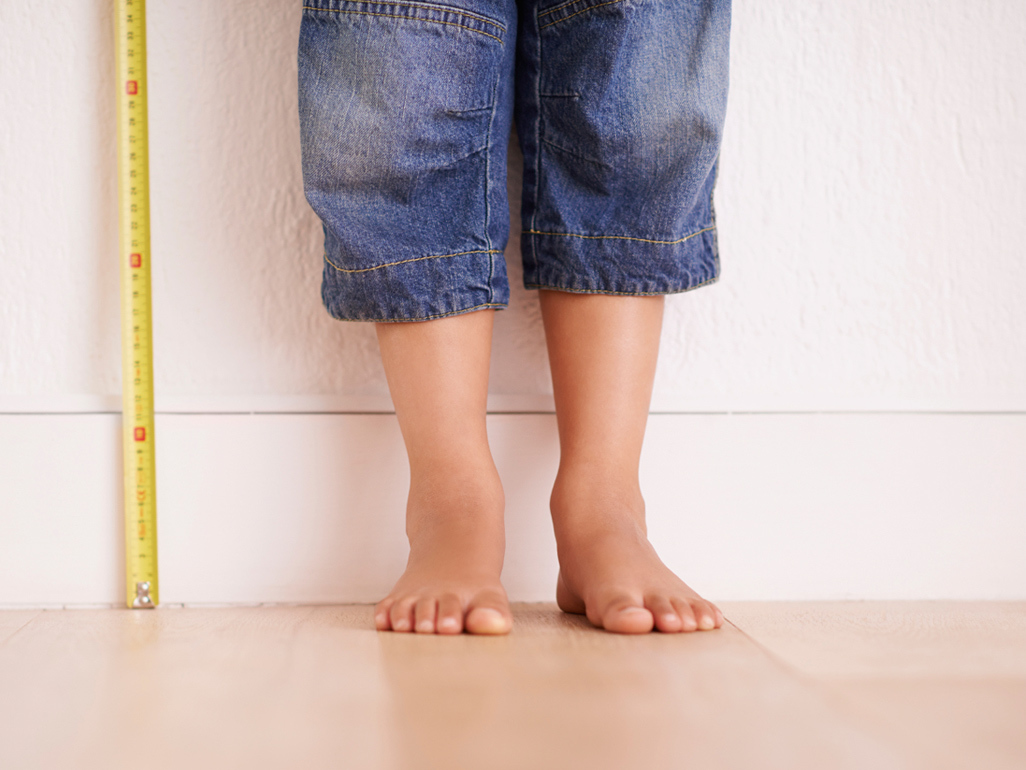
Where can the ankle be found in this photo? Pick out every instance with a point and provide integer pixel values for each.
(473, 538)
(613, 482)
(450, 470)
(455, 502)
(583, 502)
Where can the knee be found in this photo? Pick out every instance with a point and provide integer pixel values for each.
(382, 106)
(656, 92)
(646, 122)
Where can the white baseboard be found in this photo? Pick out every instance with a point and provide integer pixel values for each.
(309, 507)
(498, 403)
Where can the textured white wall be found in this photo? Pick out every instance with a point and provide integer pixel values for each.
(870, 205)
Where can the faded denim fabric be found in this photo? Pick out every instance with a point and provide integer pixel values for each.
(405, 111)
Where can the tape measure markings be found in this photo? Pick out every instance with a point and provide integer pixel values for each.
(136, 307)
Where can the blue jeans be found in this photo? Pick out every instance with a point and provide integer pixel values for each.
(405, 111)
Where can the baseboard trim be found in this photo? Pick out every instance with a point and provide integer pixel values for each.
(498, 403)
(308, 508)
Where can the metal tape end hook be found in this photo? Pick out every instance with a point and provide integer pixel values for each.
(142, 595)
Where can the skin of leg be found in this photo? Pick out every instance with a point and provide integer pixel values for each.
(602, 352)
(437, 373)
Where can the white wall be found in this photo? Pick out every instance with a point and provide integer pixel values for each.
(870, 205)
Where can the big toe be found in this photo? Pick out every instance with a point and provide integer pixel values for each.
(489, 614)
(629, 619)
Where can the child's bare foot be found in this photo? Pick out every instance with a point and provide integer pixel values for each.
(607, 568)
(451, 583)
(438, 376)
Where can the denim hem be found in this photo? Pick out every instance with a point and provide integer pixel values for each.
(418, 289)
(482, 306)
(623, 265)
(571, 290)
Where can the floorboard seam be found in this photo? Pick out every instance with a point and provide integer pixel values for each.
(20, 628)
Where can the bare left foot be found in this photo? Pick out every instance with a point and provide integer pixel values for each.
(610, 572)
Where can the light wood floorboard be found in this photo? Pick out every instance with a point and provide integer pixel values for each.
(945, 680)
(316, 686)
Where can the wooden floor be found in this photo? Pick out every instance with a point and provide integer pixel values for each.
(783, 685)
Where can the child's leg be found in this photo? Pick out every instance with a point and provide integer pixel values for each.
(438, 375)
(602, 351)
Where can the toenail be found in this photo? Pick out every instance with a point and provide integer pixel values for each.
(424, 627)
(707, 622)
(488, 620)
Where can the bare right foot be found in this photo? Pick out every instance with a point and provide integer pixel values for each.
(438, 376)
(451, 583)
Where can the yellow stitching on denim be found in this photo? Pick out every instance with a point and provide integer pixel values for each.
(407, 18)
(404, 261)
(625, 293)
(622, 237)
(429, 6)
(597, 5)
(441, 7)
(556, 8)
(442, 315)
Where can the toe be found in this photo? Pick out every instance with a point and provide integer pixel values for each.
(401, 614)
(704, 615)
(486, 620)
(382, 622)
(665, 616)
(424, 616)
(687, 616)
(450, 614)
(627, 617)
(489, 613)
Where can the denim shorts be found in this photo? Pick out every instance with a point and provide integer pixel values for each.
(405, 113)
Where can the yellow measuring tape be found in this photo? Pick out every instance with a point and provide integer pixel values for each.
(136, 309)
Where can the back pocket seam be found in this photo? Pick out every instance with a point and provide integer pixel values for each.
(432, 13)
(567, 10)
